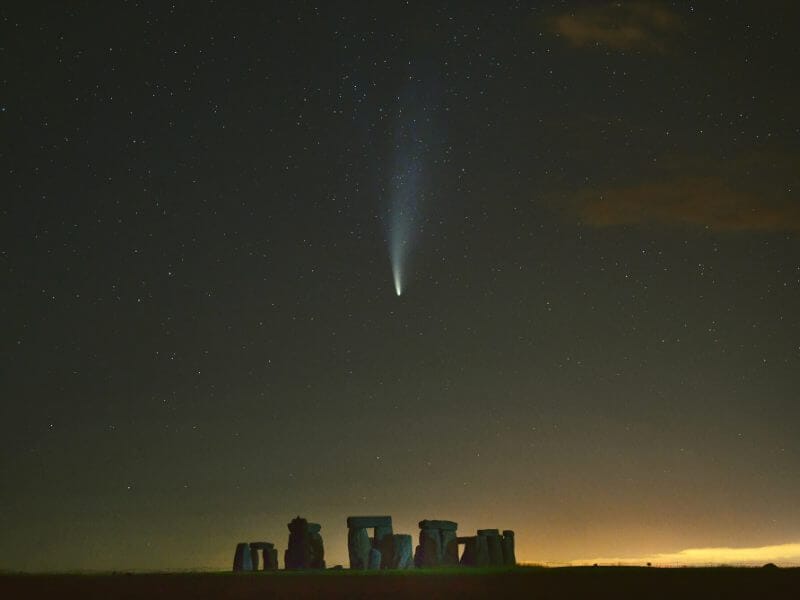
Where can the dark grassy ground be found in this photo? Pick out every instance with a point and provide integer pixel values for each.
(523, 582)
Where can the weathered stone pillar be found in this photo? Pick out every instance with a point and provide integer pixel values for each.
(242, 559)
(374, 561)
(317, 548)
(401, 552)
(383, 542)
(509, 557)
(270, 559)
(481, 551)
(429, 551)
(493, 544)
(449, 547)
(470, 556)
(358, 547)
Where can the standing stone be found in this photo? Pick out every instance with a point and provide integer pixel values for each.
(476, 551)
(509, 558)
(481, 551)
(242, 559)
(429, 551)
(270, 559)
(495, 550)
(493, 545)
(358, 547)
(374, 559)
(254, 558)
(449, 547)
(384, 542)
(317, 548)
(470, 556)
(401, 552)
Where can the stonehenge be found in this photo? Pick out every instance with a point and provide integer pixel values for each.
(384, 550)
(438, 547)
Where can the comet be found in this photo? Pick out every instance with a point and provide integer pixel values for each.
(398, 283)
(408, 174)
(406, 194)
(403, 218)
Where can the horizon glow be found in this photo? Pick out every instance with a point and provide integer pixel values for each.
(784, 554)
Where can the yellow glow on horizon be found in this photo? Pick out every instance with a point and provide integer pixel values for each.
(782, 554)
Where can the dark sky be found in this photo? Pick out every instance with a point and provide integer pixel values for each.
(598, 340)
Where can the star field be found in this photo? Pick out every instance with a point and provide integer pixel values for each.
(599, 342)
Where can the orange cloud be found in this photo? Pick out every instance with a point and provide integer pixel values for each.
(704, 201)
(618, 25)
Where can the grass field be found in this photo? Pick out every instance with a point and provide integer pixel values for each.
(521, 582)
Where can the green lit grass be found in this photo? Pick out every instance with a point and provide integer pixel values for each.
(418, 584)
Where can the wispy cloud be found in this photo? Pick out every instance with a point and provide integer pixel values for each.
(706, 202)
(782, 554)
(618, 25)
(759, 193)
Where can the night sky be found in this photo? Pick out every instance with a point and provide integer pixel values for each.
(524, 265)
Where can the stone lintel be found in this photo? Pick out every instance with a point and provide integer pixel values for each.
(262, 545)
(465, 539)
(434, 524)
(368, 522)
